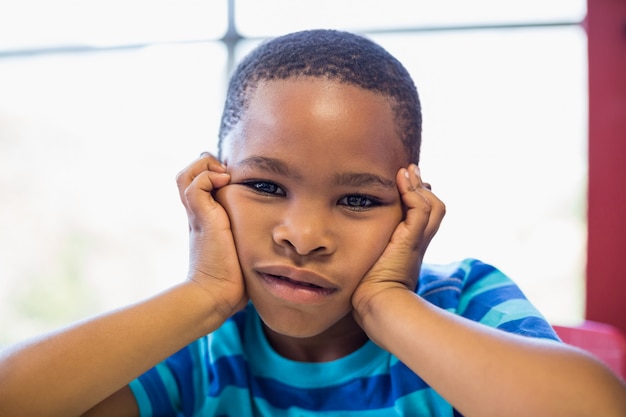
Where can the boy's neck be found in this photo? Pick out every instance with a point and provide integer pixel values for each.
(340, 340)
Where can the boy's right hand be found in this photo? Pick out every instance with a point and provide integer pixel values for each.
(213, 262)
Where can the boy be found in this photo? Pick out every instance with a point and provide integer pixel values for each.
(306, 243)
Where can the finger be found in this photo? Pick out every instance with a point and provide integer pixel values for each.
(214, 163)
(437, 207)
(197, 197)
(206, 162)
(409, 187)
(424, 210)
(417, 208)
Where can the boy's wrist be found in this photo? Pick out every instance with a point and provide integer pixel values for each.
(374, 311)
(215, 302)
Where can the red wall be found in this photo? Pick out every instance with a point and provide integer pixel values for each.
(606, 262)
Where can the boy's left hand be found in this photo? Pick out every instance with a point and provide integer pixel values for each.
(399, 264)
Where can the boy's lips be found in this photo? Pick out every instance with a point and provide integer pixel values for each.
(298, 276)
(296, 285)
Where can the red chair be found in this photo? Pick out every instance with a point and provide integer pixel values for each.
(602, 340)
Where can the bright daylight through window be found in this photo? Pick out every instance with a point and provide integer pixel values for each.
(102, 103)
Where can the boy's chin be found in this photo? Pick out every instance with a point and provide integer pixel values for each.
(307, 325)
(281, 329)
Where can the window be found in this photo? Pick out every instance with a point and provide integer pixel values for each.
(101, 107)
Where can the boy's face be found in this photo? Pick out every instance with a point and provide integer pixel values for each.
(313, 198)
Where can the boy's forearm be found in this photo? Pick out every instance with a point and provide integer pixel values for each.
(67, 372)
(487, 372)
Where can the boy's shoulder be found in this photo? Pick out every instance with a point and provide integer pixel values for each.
(482, 293)
(458, 276)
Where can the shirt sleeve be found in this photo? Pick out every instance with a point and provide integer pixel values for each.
(482, 293)
(170, 388)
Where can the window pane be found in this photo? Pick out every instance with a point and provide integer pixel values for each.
(41, 23)
(90, 145)
(505, 147)
(275, 17)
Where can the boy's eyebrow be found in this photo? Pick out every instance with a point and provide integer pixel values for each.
(267, 164)
(363, 179)
(350, 179)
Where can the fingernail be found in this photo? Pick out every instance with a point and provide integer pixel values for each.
(406, 173)
(417, 171)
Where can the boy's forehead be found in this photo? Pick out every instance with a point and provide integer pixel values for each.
(312, 109)
(320, 95)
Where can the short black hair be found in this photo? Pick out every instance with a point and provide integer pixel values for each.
(335, 55)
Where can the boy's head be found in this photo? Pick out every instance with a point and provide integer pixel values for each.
(334, 55)
(318, 130)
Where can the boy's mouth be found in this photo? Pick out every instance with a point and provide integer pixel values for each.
(294, 282)
(296, 286)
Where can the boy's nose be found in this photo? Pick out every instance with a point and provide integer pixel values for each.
(305, 231)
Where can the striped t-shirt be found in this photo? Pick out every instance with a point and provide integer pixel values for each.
(235, 372)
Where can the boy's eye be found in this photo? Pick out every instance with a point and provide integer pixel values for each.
(265, 187)
(358, 202)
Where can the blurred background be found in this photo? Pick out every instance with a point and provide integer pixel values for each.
(103, 102)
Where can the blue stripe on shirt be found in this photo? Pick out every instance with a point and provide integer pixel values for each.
(157, 392)
(476, 270)
(184, 360)
(530, 326)
(482, 303)
(358, 394)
